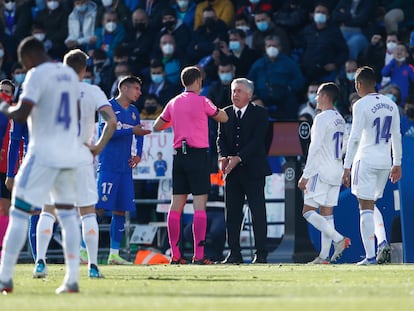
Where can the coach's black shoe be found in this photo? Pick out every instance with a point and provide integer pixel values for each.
(234, 259)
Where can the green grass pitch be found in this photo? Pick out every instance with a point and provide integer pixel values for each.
(220, 287)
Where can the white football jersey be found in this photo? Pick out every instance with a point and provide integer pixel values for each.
(92, 98)
(375, 130)
(325, 149)
(53, 88)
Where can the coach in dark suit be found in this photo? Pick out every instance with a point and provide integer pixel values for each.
(243, 159)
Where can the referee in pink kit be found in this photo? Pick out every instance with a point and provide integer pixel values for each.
(188, 114)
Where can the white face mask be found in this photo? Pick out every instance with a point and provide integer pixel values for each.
(107, 3)
(1, 53)
(167, 48)
(245, 28)
(272, 52)
(391, 46)
(400, 59)
(40, 36)
(52, 5)
(10, 6)
(182, 4)
(110, 26)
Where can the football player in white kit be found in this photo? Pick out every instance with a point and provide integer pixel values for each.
(49, 103)
(92, 99)
(321, 179)
(374, 134)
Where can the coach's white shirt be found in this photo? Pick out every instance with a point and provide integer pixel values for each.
(325, 150)
(375, 130)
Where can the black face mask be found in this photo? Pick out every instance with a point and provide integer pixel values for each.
(151, 109)
(140, 26)
(169, 25)
(409, 112)
(209, 22)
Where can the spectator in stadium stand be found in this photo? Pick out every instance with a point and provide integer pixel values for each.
(265, 27)
(51, 18)
(277, 80)
(117, 6)
(224, 11)
(397, 13)
(325, 50)
(81, 25)
(181, 32)
(158, 85)
(205, 36)
(240, 54)
(380, 53)
(241, 22)
(154, 10)
(185, 11)
(110, 35)
(15, 24)
(249, 7)
(346, 84)
(103, 72)
(355, 19)
(140, 40)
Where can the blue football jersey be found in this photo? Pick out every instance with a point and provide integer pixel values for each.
(117, 152)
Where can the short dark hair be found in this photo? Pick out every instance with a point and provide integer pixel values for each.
(30, 45)
(77, 59)
(331, 90)
(129, 80)
(409, 99)
(366, 75)
(189, 75)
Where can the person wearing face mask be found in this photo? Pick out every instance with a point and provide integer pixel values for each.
(81, 25)
(399, 71)
(241, 55)
(346, 83)
(170, 25)
(117, 6)
(185, 11)
(224, 11)
(205, 38)
(241, 22)
(140, 39)
(309, 107)
(51, 18)
(324, 48)
(110, 35)
(265, 27)
(158, 85)
(379, 53)
(407, 119)
(278, 80)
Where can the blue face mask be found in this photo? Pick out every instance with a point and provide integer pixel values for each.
(226, 77)
(234, 45)
(87, 80)
(350, 76)
(392, 97)
(157, 78)
(319, 18)
(19, 78)
(262, 26)
(81, 8)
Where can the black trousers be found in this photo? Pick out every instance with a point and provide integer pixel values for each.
(239, 185)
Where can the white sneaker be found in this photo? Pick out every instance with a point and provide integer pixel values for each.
(339, 247)
(367, 262)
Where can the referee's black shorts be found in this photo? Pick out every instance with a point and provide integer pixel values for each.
(191, 172)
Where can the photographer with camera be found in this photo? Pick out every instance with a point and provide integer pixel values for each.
(277, 79)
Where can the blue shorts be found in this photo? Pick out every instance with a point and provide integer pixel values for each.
(115, 191)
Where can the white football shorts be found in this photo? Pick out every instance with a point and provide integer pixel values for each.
(319, 193)
(368, 183)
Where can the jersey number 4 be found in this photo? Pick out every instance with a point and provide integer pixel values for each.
(383, 130)
(63, 114)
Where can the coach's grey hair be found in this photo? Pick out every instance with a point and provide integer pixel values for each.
(248, 83)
